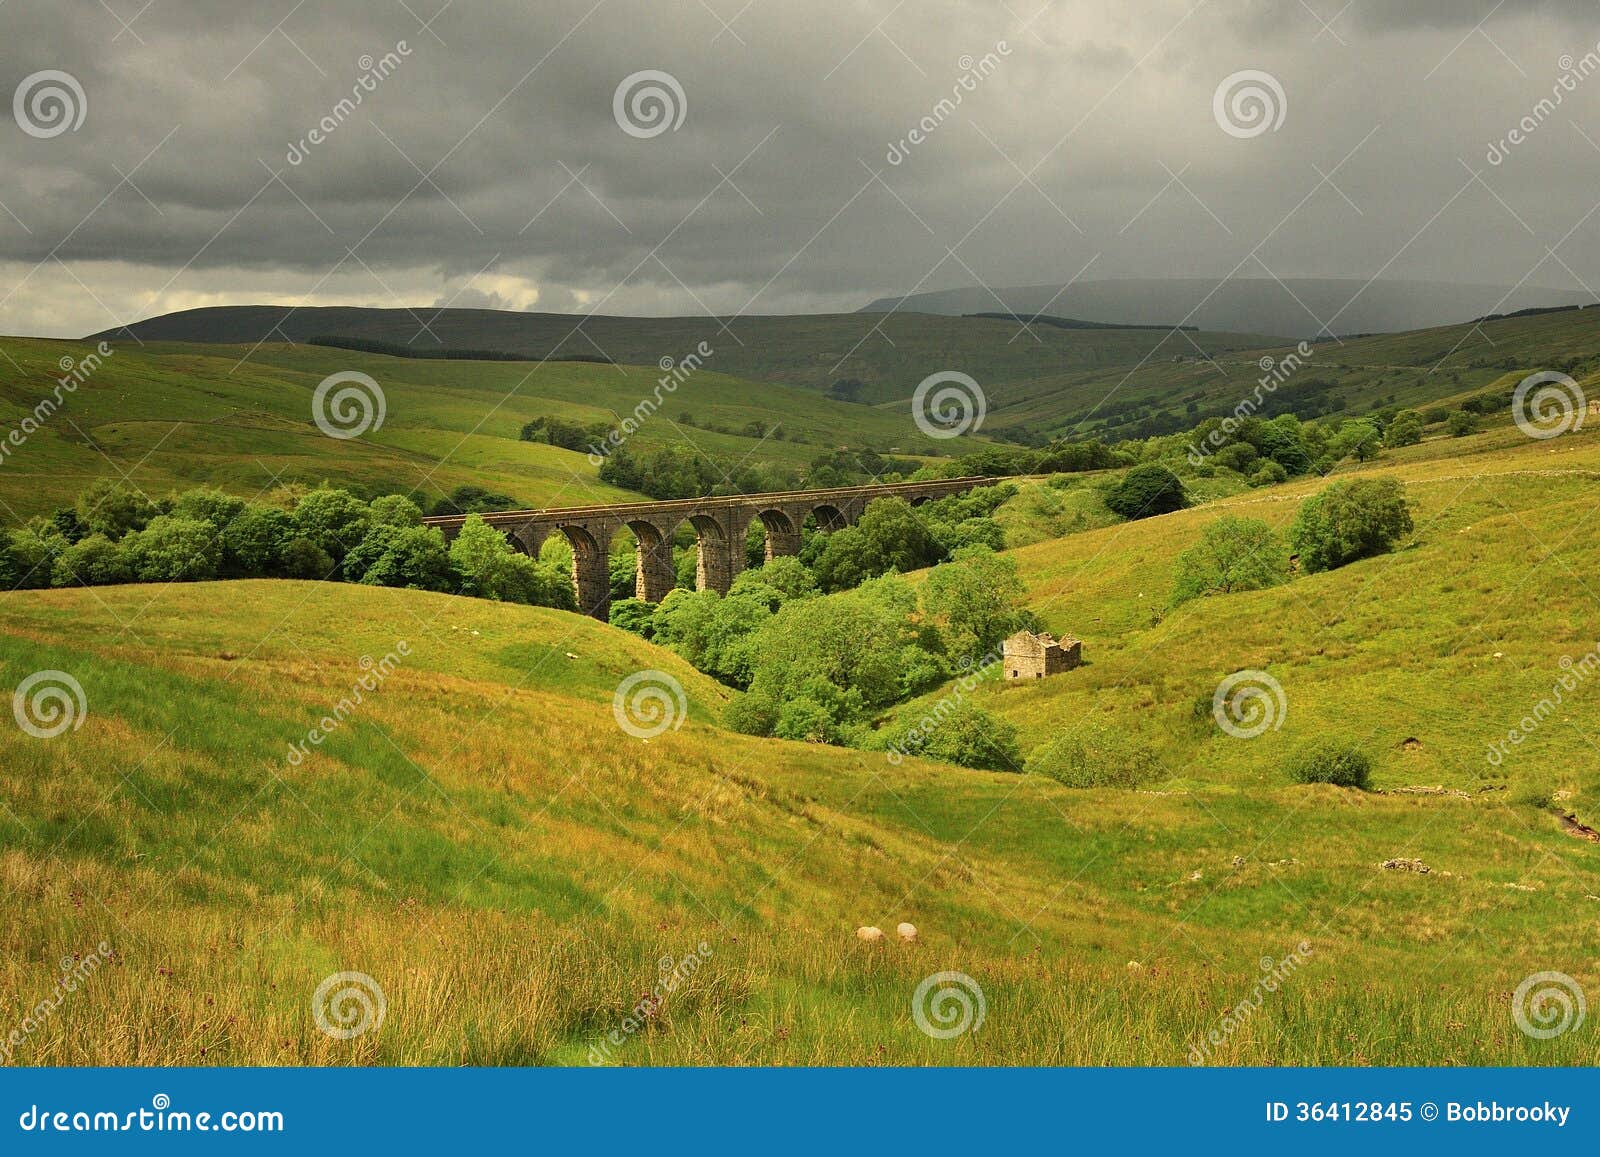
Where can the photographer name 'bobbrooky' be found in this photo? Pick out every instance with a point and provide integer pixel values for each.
(1493, 1111)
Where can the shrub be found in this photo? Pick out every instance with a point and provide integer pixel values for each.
(1350, 521)
(173, 548)
(1233, 554)
(1461, 423)
(304, 559)
(964, 734)
(1096, 754)
(401, 556)
(114, 509)
(1336, 761)
(1270, 474)
(93, 561)
(1145, 491)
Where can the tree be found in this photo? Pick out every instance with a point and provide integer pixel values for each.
(1349, 521)
(114, 509)
(963, 734)
(209, 505)
(173, 548)
(889, 536)
(1461, 423)
(401, 556)
(254, 540)
(304, 559)
(1233, 554)
(92, 561)
(1356, 438)
(975, 597)
(489, 568)
(335, 520)
(1404, 430)
(1145, 491)
(394, 510)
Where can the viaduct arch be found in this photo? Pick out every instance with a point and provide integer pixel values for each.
(720, 525)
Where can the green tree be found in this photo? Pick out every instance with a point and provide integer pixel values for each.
(394, 510)
(1358, 439)
(401, 556)
(1145, 491)
(253, 542)
(1404, 430)
(114, 509)
(963, 734)
(1096, 753)
(1233, 554)
(173, 548)
(304, 559)
(975, 598)
(92, 561)
(334, 520)
(1349, 521)
(890, 536)
(1460, 423)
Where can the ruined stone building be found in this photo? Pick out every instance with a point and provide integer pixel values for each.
(1031, 656)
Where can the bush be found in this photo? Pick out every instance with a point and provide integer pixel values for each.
(1233, 554)
(114, 509)
(173, 548)
(1145, 491)
(93, 561)
(1096, 754)
(1404, 430)
(1270, 474)
(1350, 521)
(1336, 761)
(1461, 423)
(401, 556)
(335, 520)
(304, 559)
(965, 735)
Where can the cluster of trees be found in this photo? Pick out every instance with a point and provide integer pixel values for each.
(115, 534)
(1347, 521)
(567, 435)
(819, 666)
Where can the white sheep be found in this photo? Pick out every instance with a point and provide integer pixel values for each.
(869, 935)
(908, 932)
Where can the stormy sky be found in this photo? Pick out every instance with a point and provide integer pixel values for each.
(160, 155)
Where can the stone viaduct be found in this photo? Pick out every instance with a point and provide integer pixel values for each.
(720, 526)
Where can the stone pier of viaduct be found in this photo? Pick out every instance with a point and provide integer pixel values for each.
(720, 526)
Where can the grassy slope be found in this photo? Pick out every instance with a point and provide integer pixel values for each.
(485, 842)
(890, 353)
(176, 416)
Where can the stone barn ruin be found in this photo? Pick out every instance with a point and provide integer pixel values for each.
(1031, 656)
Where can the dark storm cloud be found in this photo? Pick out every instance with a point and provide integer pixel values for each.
(485, 166)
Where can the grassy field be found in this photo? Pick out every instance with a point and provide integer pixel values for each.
(176, 416)
(483, 840)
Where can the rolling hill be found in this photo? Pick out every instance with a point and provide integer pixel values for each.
(480, 837)
(1296, 307)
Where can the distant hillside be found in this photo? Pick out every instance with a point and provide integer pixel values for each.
(1297, 307)
(880, 358)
